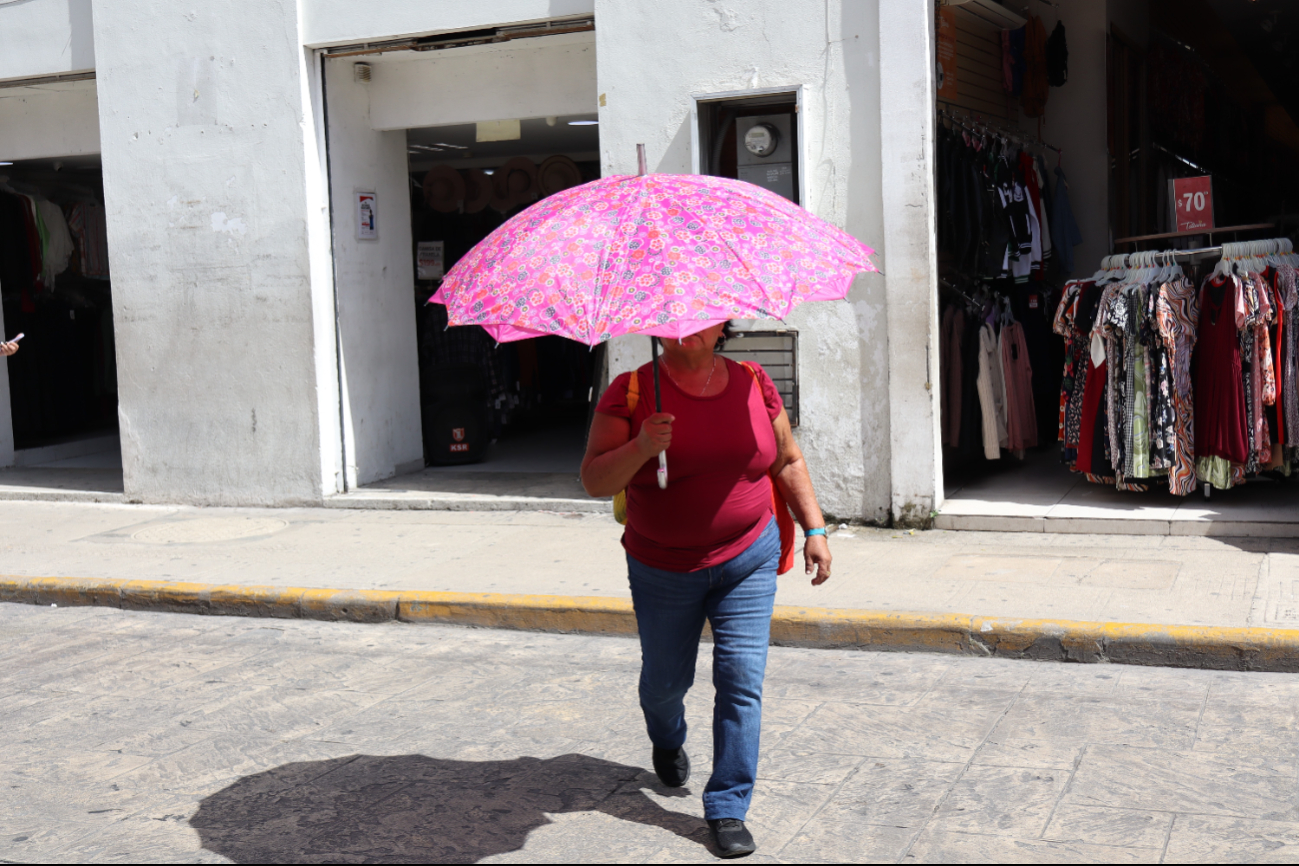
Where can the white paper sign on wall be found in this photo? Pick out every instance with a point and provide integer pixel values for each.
(367, 225)
(430, 260)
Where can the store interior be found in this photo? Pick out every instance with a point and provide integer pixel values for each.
(518, 407)
(1091, 177)
(57, 292)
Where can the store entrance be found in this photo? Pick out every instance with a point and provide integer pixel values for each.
(520, 407)
(1074, 270)
(56, 290)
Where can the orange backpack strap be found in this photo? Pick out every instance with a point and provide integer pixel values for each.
(633, 398)
(784, 520)
(633, 392)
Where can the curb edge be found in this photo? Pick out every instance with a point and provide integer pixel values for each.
(1211, 647)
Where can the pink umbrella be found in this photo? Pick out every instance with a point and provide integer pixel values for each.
(662, 254)
(666, 255)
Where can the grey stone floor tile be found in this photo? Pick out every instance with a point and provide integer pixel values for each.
(943, 846)
(1084, 718)
(1271, 700)
(1098, 825)
(281, 712)
(1147, 682)
(848, 843)
(1002, 801)
(33, 839)
(855, 683)
(1038, 754)
(1247, 786)
(780, 809)
(895, 793)
(786, 766)
(1282, 742)
(997, 674)
(1089, 680)
(941, 731)
(1215, 839)
(835, 842)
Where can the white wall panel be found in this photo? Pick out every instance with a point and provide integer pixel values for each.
(334, 22)
(46, 120)
(46, 37)
(552, 75)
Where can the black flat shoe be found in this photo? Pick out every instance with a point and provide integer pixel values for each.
(672, 766)
(732, 838)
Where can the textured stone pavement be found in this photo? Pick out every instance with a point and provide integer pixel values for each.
(165, 737)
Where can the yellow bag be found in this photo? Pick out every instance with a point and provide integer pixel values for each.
(633, 397)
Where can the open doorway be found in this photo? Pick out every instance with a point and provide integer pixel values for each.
(519, 407)
(1068, 373)
(56, 290)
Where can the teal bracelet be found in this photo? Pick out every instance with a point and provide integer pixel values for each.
(808, 533)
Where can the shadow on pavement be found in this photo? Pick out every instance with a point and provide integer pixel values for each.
(417, 809)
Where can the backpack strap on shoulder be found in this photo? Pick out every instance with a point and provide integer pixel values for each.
(633, 391)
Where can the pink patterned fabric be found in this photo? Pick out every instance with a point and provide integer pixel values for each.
(663, 254)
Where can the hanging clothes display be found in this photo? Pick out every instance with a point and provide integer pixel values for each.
(55, 289)
(986, 374)
(1195, 384)
(999, 361)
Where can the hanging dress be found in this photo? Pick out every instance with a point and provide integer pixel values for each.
(1220, 415)
(1178, 312)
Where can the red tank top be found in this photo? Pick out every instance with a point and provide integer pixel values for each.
(718, 499)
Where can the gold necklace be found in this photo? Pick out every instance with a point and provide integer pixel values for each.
(707, 382)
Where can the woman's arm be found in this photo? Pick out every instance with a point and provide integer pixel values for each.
(613, 457)
(790, 474)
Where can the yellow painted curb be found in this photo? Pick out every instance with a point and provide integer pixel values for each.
(1047, 639)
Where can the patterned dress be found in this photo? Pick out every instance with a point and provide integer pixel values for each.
(1177, 310)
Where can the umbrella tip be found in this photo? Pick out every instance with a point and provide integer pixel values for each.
(640, 160)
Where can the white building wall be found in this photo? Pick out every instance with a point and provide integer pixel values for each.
(375, 284)
(830, 51)
(46, 37)
(205, 130)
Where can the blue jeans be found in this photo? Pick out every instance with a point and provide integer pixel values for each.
(737, 598)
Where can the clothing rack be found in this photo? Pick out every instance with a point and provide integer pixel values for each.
(1124, 271)
(982, 127)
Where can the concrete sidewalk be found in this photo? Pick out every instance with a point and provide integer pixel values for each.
(1167, 580)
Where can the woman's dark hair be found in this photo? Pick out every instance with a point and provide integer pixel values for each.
(728, 331)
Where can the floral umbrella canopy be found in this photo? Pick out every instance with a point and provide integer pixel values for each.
(658, 254)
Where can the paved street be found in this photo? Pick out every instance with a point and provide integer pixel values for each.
(156, 737)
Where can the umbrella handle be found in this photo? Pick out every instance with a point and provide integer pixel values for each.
(663, 470)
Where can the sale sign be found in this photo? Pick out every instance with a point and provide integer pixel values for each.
(1192, 202)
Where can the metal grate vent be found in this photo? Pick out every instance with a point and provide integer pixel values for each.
(777, 352)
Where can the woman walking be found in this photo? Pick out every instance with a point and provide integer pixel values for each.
(706, 547)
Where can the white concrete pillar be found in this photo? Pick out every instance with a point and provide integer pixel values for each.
(214, 206)
(910, 261)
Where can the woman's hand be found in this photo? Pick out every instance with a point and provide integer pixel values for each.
(816, 556)
(7, 349)
(655, 434)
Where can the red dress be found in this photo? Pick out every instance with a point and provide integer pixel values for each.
(1219, 383)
